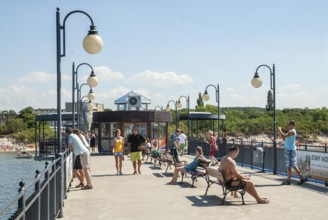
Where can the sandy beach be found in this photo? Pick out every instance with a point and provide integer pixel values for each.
(10, 145)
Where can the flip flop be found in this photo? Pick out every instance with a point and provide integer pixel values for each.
(265, 201)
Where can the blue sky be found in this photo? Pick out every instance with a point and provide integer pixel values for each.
(165, 49)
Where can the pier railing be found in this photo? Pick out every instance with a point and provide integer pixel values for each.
(257, 155)
(42, 199)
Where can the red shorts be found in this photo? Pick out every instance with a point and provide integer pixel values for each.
(212, 152)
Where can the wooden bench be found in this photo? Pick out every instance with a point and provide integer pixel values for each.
(199, 172)
(214, 176)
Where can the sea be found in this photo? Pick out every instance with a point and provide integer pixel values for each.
(12, 171)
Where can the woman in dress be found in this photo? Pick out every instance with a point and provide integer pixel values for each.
(93, 140)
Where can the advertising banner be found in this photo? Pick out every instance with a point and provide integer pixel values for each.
(313, 164)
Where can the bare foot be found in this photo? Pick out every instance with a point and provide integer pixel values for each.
(263, 201)
(172, 183)
(139, 171)
(236, 196)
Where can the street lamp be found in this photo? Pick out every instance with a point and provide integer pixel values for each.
(160, 108)
(179, 105)
(206, 97)
(91, 96)
(92, 44)
(176, 111)
(92, 82)
(256, 83)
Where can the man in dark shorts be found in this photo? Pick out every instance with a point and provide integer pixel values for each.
(229, 169)
(78, 171)
(174, 144)
(136, 144)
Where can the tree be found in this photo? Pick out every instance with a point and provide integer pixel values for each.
(200, 102)
(269, 106)
(28, 116)
(14, 126)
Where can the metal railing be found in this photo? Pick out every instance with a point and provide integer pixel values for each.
(48, 190)
(248, 149)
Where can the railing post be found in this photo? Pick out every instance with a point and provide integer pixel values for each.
(263, 158)
(325, 148)
(47, 202)
(21, 201)
(252, 154)
(38, 200)
(60, 187)
(242, 153)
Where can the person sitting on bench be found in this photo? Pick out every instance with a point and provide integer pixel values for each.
(190, 167)
(233, 178)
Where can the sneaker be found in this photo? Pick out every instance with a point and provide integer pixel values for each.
(121, 173)
(301, 182)
(285, 183)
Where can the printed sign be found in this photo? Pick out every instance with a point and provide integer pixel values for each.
(313, 164)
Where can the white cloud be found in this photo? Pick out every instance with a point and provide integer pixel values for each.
(38, 76)
(149, 77)
(107, 74)
(290, 87)
(230, 89)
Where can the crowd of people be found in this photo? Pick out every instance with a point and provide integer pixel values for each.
(137, 144)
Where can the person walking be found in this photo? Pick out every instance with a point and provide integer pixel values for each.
(93, 140)
(289, 139)
(182, 138)
(136, 144)
(79, 149)
(118, 150)
(213, 147)
(174, 144)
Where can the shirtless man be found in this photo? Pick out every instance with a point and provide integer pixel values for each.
(228, 167)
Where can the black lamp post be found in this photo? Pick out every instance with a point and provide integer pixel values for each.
(179, 105)
(92, 44)
(256, 83)
(92, 81)
(176, 111)
(206, 97)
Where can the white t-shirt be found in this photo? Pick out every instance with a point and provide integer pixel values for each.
(76, 144)
(86, 143)
(182, 138)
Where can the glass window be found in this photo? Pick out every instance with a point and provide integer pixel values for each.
(127, 129)
(154, 130)
(105, 129)
(113, 127)
(161, 130)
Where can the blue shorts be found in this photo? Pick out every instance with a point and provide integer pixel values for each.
(118, 153)
(290, 158)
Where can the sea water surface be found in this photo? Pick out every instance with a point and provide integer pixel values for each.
(12, 171)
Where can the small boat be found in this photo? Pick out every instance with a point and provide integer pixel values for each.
(24, 155)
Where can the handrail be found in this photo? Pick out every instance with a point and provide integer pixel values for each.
(27, 207)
